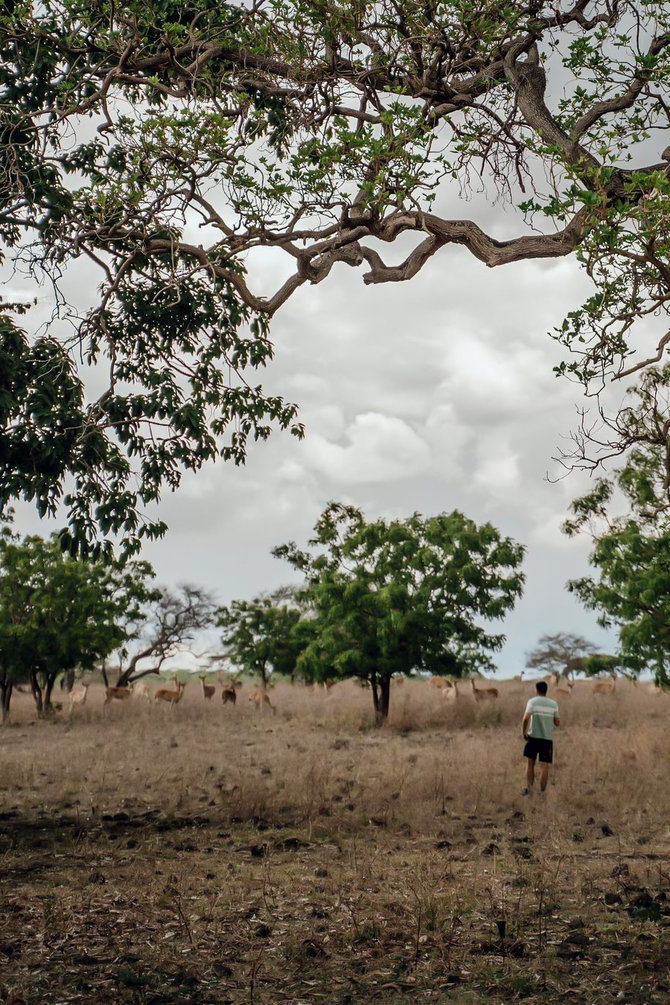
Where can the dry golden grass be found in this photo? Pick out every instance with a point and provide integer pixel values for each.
(213, 853)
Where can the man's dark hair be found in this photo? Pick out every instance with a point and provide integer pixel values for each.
(541, 687)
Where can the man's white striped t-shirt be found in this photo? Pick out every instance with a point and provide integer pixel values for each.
(542, 712)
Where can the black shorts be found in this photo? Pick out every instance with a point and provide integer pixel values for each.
(535, 747)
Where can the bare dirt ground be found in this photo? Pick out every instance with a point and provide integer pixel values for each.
(211, 853)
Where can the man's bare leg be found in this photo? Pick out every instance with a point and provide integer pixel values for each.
(544, 776)
(530, 773)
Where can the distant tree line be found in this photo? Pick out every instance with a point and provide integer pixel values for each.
(378, 598)
(60, 616)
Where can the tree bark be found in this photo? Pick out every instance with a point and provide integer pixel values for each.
(385, 698)
(37, 693)
(6, 695)
(51, 680)
(67, 680)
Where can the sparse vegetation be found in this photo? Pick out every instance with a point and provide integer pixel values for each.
(207, 853)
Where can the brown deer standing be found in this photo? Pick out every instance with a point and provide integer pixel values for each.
(118, 693)
(484, 694)
(605, 686)
(170, 696)
(228, 693)
(261, 699)
(207, 689)
(78, 696)
(566, 688)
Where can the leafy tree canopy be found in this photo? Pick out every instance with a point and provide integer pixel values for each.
(165, 143)
(58, 613)
(628, 518)
(264, 636)
(402, 595)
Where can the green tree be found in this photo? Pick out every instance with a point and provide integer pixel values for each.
(58, 613)
(324, 131)
(562, 654)
(264, 637)
(627, 516)
(402, 595)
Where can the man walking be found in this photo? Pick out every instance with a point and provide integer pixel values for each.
(540, 718)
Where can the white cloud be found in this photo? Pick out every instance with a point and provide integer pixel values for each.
(377, 448)
(497, 468)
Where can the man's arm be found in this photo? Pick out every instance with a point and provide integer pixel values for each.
(525, 724)
(557, 721)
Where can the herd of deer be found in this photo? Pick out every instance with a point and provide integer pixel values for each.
(449, 690)
(170, 695)
(260, 698)
(560, 685)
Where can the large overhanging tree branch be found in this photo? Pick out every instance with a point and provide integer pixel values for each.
(167, 144)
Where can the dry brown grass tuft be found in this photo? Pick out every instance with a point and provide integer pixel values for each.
(211, 852)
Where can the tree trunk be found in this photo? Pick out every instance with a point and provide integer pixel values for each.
(385, 699)
(37, 693)
(67, 681)
(51, 680)
(6, 695)
(103, 671)
(375, 699)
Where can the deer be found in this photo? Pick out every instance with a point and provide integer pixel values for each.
(78, 696)
(605, 686)
(440, 682)
(228, 693)
(207, 689)
(450, 693)
(261, 699)
(483, 694)
(141, 690)
(120, 693)
(168, 695)
(566, 689)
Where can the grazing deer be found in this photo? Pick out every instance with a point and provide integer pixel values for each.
(605, 686)
(261, 699)
(78, 696)
(440, 682)
(168, 695)
(228, 693)
(207, 689)
(483, 694)
(118, 693)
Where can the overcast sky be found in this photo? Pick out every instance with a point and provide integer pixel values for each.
(423, 396)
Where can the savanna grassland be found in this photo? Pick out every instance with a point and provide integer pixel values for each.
(211, 853)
